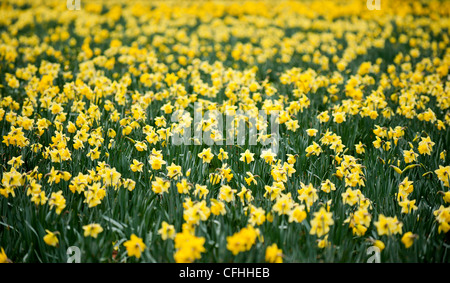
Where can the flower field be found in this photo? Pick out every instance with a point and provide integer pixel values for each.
(224, 131)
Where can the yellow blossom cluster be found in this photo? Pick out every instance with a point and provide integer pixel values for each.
(226, 128)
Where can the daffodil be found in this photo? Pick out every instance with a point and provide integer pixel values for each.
(408, 239)
(188, 247)
(217, 207)
(183, 186)
(166, 231)
(160, 185)
(297, 214)
(443, 174)
(250, 179)
(3, 257)
(327, 186)
(442, 215)
(268, 156)
(313, 149)
(247, 156)
(408, 205)
(311, 132)
(51, 239)
(339, 117)
(92, 230)
(136, 166)
(223, 155)
(58, 201)
(243, 240)
(410, 156)
(307, 194)
(360, 148)
(320, 224)
(135, 246)
(174, 171)
(388, 225)
(426, 146)
(274, 254)
(226, 193)
(206, 155)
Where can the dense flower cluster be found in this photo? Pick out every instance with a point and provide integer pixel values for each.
(91, 102)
